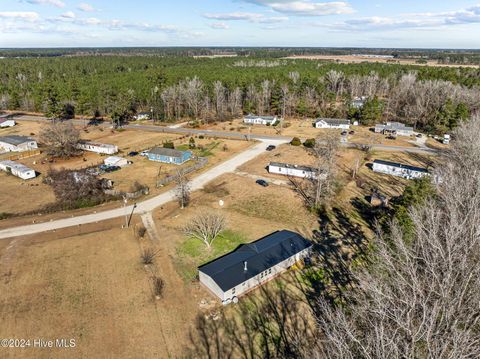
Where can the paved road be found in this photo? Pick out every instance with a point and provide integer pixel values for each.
(148, 205)
(241, 136)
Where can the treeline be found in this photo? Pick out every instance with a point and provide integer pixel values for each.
(433, 99)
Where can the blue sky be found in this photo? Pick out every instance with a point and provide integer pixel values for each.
(366, 23)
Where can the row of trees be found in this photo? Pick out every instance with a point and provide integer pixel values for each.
(217, 89)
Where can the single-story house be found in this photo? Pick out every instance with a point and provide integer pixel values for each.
(394, 128)
(16, 143)
(168, 155)
(446, 139)
(261, 120)
(7, 122)
(97, 147)
(399, 170)
(142, 116)
(292, 170)
(253, 264)
(332, 123)
(116, 161)
(17, 169)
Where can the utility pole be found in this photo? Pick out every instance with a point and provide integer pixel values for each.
(131, 214)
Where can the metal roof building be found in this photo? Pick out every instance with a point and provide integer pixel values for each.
(253, 264)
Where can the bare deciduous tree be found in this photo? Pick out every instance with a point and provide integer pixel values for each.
(420, 297)
(61, 139)
(206, 227)
(182, 190)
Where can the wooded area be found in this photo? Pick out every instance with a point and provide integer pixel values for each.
(179, 87)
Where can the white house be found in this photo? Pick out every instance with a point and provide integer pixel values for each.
(446, 139)
(16, 143)
(359, 102)
(6, 122)
(142, 116)
(253, 264)
(116, 161)
(17, 169)
(332, 123)
(292, 170)
(394, 128)
(399, 170)
(97, 147)
(261, 120)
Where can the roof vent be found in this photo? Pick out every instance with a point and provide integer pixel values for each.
(245, 268)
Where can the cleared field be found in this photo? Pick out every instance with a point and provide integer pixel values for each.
(350, 59)
(92, 288)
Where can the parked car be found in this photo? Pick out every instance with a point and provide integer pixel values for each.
(133, 153)
(344, 133)
(271, 148)
(351, 132)
(262, 182)
(144, 153)
(111, 169)
(419, 135)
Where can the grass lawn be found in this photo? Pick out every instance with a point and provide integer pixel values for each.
(193, 252)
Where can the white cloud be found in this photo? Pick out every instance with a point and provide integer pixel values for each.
(219, 26)
(246, 16)
(19, 15)
(85, 7)
(306, 7)
(68, 15)
(57, 3)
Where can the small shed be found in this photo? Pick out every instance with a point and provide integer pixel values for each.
(116, 161)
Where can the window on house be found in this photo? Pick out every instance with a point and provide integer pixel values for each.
(233, 291)
(270, 271)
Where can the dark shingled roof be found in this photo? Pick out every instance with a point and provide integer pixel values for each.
(228, 271)
(399, 165)
(15, 140)
(167, 152)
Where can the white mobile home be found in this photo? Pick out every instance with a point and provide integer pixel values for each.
(260, 120)
(394, 128)
(102, 148)
(17, 169)
(292, 170)
(16, 143)
(253, 264)
(6, 122)
(399, 170)
(332, 123)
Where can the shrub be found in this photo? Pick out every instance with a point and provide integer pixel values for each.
(148, 255)
(191, 142)
(309, 143)
(140, 231)
(296, 142)
(169, 145)
(158, 286)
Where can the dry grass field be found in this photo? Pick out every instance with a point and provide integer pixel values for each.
(350, 59)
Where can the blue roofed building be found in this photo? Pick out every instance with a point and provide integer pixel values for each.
(168, 155)
(253, 264)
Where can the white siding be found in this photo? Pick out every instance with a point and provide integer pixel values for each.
(291, 171)
(8, 123)
(324, 124)
(397, 171)
(98, 148)
(208, 282)
(26, 146)
(17, 169)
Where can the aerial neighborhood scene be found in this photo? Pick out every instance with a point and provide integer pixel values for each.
(240, 179)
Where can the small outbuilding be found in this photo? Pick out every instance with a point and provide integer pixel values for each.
(252, 265)
(168, 155)
(260, 120)
(332, 123)
(7, 122)
(292, 170)
(16, 143)
(116, 161)
(17, 169)
(399, 170)
(141, 116)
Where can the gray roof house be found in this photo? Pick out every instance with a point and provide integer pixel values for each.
(14, 143)
(396, 128)
(253, 264)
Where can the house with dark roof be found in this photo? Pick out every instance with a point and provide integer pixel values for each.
(16, 143)
(260, 120)
(168, 155)
(332, 123)
(399, 170)
(253, 264)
